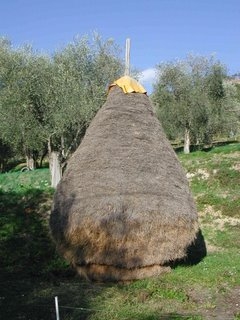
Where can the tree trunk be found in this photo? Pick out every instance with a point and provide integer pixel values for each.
(187, 141)
(54, 166)
(63, 147)
(31, 161)
(56, 171)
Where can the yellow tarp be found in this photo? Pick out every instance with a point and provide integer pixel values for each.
(128, 85)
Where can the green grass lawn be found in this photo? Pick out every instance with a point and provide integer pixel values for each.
(32, 274)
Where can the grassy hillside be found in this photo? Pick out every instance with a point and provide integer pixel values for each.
(32, 274)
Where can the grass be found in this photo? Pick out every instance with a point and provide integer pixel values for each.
(215, 178)
(19, 182)
(32, 274)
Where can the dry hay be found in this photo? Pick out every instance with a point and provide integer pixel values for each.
(201, 174)
(123, 209)
(236, 166)
(219, 221)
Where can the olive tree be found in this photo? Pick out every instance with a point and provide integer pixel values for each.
(81, 73)
(50, 101)
(21, 99)
(189, 96)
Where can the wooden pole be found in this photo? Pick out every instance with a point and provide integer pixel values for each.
(127, 58)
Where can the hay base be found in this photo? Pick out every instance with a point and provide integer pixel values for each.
(95, 272)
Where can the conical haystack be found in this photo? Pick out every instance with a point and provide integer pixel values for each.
(123, 209)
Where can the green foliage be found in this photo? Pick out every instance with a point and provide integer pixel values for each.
(81, 71)
(190, 96)
(21, 98)
(53, 99)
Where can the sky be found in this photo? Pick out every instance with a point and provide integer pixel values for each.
(160, 30)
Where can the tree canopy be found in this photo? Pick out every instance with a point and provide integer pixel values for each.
(50, 100)
(191, 99)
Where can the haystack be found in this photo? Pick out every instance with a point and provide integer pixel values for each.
(123, 209)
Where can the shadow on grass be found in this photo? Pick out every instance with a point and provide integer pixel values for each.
(31, 273)
(24, 240)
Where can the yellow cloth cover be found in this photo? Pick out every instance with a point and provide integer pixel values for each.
(128, 85)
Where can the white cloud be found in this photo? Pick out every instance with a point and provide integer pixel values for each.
(147, 78)
(148, 75)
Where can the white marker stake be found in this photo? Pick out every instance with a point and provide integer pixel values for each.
(57, 308)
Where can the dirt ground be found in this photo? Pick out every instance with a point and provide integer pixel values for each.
(226, 305)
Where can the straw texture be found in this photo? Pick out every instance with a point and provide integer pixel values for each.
(123, 209)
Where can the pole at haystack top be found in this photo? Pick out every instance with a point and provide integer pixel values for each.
(127, 58)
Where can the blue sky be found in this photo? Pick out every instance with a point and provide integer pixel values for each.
(160, 30)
